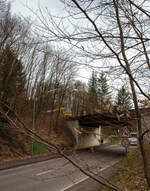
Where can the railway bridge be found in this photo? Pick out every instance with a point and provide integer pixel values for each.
(87, 130)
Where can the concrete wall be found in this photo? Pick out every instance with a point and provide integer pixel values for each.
(72, 125)
(91, 139)
(84, 140)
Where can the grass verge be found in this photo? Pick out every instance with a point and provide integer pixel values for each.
(130, 175)
(116, 139)
(37, 148)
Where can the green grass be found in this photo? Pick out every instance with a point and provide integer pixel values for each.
(116, 139)
(37, 148)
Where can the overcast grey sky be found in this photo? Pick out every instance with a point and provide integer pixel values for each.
(20, 6)
(55, 7)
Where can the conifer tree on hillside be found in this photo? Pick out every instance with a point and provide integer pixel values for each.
(12, 78)
(103, 92)
(123, 100)
(92, 93)
(98, 92)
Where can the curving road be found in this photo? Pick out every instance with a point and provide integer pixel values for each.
(58, 174)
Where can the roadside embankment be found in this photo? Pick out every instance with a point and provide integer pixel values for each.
(130, 175)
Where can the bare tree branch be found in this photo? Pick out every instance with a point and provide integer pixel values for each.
(50, 145)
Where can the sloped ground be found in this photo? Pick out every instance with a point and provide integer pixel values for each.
(12, 144)
(15, 145)
(130, 176)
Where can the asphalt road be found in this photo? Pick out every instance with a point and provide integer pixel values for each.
(59, 174)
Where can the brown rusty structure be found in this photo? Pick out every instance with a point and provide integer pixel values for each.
(89, 130)
(104, 119)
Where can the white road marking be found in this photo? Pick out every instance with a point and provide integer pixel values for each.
(48, 171)
(104, 168)
(84, 178)
(74, 184)
(45, 172)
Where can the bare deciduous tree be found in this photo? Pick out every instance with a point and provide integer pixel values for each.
(117, 31)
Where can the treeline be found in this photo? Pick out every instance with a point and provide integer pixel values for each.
(37, 81)
(35, 78)
(29, 70)
(101, 97)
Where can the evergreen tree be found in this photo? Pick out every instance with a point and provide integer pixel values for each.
(12, 78)
(99, 93)
(92, 93)
(103, 92)
(123, 99)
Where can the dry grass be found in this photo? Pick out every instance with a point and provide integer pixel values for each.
(60, 136)
(130, 176)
